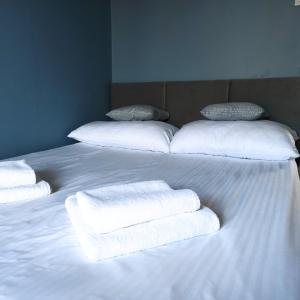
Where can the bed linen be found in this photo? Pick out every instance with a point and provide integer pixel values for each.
(255, 255)
(16, 173)
(25, 192)
(119, 206)
(142, 236)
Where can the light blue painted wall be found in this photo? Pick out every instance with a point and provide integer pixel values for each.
(203, 39)
(55, 70)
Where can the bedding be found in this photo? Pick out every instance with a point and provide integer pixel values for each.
(135, 135)
(254, 256)
(119, 206)
(138, 113)
(263, 140)
(25, 192)
(233, 111)
(142, 236)
(16, 173)
(291, 130)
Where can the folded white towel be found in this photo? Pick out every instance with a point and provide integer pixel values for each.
(16, 173)
(25, 192)
(142, 236)
(107, 212)
(111, 191)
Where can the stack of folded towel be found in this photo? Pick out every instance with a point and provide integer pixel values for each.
(117, 220)
(18, 182)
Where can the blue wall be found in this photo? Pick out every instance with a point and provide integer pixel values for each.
(204, 39)
(55, 70)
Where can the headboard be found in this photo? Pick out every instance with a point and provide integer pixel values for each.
(184, 100)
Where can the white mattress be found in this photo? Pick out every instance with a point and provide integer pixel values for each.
(256, 254)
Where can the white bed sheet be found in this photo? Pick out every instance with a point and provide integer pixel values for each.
(255, 255)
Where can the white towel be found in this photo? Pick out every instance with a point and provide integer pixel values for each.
(142, 236)
(16, 173)
(25, 192)
(129, 188)
(107, 212)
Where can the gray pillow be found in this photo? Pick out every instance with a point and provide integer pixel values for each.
(138, 113)
(234, 111)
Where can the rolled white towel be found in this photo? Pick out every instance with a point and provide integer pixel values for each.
(108, 212)
(95, 198)
(142, 236)
(16, 173)
(129, 188)
(25, 192)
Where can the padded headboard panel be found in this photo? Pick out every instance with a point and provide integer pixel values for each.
(184, 100)
(139, 93)
(279, 96)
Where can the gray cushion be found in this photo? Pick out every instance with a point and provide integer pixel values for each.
(233, 111)
(138, 113)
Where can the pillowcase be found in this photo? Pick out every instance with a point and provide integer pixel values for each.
(138, 113)
(289, 129)
(243, 139)
(148, 135)
(233, 111)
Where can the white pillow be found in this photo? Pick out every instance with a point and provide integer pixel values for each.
(138, 135)
(243, 139)
(289, 129)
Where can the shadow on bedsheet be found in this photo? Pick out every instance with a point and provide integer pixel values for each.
(214, 208)
(47, 176)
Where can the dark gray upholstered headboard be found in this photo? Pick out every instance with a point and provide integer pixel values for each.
(184, 100)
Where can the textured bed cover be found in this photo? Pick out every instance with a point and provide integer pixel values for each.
(255, 255)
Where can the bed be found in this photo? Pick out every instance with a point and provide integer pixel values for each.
(255, 255)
